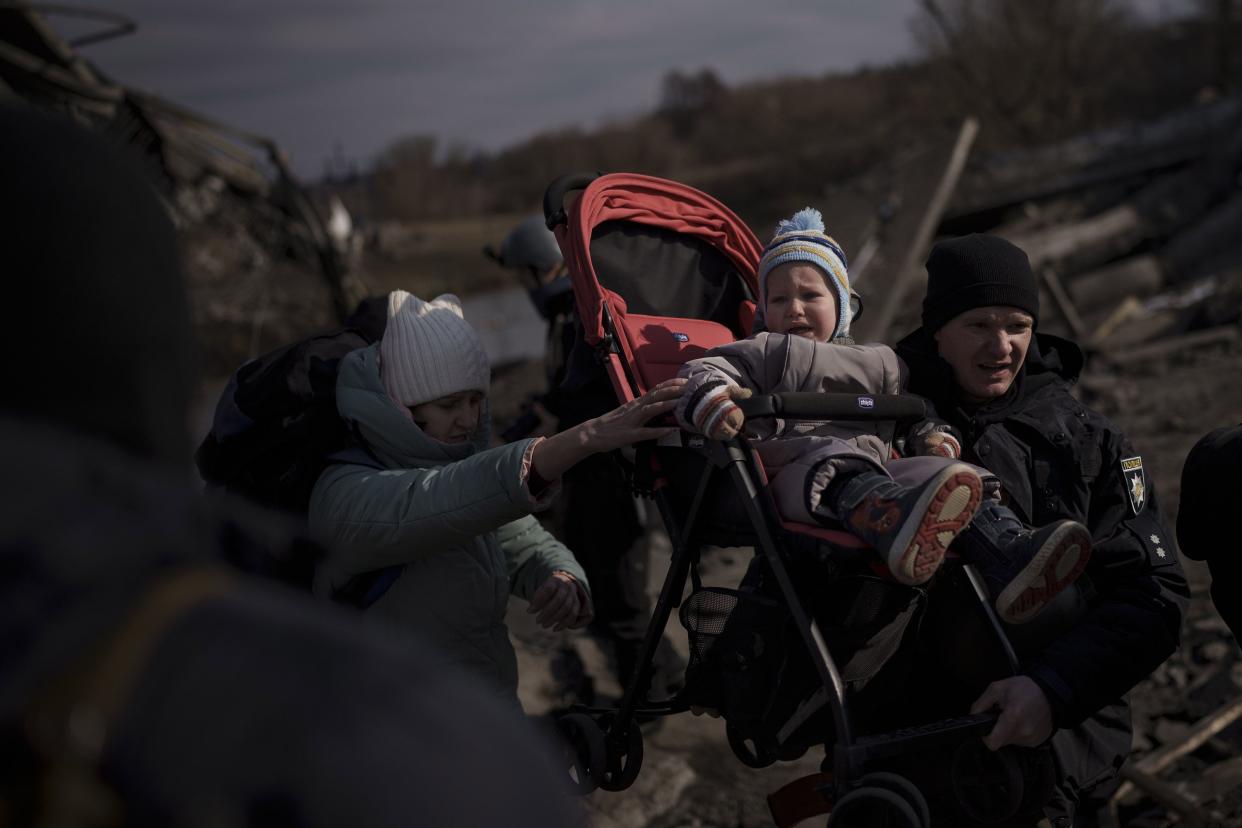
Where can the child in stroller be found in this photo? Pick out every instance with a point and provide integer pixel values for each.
(910, 509)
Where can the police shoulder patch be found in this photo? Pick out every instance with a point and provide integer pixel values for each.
(1136, 482)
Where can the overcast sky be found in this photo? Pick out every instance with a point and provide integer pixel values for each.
(484, 73)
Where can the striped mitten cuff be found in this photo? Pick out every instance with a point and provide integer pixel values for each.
(713, 413)
(947, 446)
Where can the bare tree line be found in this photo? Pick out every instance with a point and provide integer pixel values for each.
(1032, 72)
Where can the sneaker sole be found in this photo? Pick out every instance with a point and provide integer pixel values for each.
(944, 509)
(1056, 565)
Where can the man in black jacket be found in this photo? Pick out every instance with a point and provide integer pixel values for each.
(978, 358)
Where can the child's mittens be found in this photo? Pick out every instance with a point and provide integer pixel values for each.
(715, 414)
(940, 444)
(934, 440)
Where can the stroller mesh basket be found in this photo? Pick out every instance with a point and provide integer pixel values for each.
(746, 659)
(706, 613)
(738, 642)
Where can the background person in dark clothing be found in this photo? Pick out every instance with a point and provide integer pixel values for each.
(1006, 388)
(1207, 517)
(143, 682)
(602, 522)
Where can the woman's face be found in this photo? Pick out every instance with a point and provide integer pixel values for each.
(799, 302)
(450, 419)
(986, 348)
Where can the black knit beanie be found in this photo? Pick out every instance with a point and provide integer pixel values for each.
(1208, 498)
(976, 271)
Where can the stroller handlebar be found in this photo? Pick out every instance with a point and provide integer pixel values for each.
(815, 405)
(554, 196)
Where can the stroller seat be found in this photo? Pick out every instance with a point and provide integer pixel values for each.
(658, 346)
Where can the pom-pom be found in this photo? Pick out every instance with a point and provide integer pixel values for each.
(808, 218)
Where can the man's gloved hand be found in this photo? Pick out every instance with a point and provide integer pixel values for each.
(1025, 716)
(716, 415)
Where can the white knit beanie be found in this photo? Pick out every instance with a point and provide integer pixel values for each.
(429, 350)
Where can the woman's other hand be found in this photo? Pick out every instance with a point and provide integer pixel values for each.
(560, 602)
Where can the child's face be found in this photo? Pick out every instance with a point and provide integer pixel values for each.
(450, 419)
(800, 303)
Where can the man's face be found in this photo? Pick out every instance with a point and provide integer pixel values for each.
(986, 347)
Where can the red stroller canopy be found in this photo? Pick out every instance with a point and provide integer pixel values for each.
(657, 202)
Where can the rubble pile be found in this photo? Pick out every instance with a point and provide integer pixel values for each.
(1133, 230)
(1188, 733)
(263, 262)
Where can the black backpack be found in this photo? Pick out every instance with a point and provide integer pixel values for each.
(276, 430)
(276, 424)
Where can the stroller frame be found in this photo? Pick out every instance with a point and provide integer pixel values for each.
(607, 739)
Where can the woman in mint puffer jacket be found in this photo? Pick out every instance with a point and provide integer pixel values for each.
(425, 493)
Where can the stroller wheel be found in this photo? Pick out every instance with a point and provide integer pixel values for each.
(624, 756)
(987, 785)
(869, 807)
(903, 787)
(586, 751)
(748, 751)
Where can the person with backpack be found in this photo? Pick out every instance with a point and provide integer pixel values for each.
(425, 498)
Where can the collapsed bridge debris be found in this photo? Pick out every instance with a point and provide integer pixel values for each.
(242, 214)
(1139, 225)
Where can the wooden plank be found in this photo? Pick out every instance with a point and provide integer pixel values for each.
(1095, 239)
(911, 267)
(1138, 276)
(1170, 797)
(1203, 730)
(1162, 208)
(1063, 302)
(1165, 347)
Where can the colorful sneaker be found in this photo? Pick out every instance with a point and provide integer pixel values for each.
(912, 527)
(1035, 567)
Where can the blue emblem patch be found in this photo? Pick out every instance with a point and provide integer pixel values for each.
(866, 403)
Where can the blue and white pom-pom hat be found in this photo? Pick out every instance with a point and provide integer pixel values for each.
(801, 238)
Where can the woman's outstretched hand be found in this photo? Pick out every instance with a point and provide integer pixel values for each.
(628, 423)
(623, 426)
